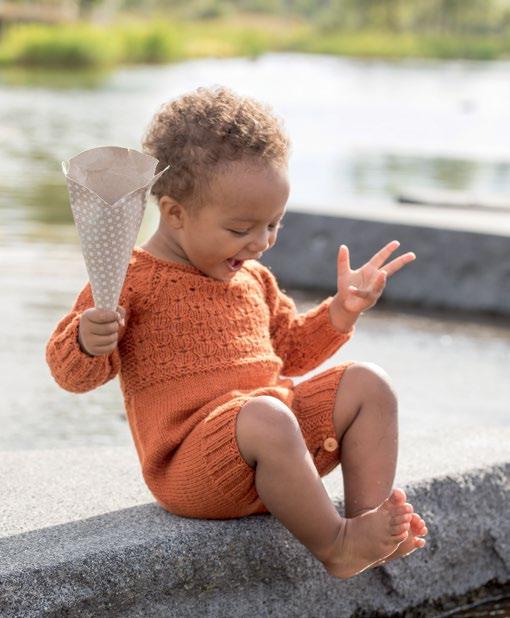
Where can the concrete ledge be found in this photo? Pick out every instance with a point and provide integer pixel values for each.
(455, 268)
(82, 537)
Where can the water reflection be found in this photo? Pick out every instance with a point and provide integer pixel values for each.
(387, 174)
(358, 129)
(45, 202)
(42, 197)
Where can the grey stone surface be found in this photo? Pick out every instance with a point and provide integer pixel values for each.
(81, 536)
(455, 268)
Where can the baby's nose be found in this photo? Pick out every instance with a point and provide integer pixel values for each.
(261, 243)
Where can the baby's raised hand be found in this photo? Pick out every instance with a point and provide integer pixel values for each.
(360, 289)
(98, 332)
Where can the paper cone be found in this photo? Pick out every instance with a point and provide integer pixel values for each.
(108, 194)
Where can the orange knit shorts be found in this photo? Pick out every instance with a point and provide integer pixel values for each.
(219, 484)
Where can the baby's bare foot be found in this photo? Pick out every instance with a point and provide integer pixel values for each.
(412, 542)
(369, 538)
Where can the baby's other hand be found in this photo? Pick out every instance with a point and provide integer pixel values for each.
(98, 332)
(360, 289)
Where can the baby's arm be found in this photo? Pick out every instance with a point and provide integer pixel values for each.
(303, 341)
(71, 366)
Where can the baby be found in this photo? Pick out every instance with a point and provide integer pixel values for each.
(203, 337)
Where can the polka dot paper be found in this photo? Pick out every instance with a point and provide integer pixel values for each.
(108, 193)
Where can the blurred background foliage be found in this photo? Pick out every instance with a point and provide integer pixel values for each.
(95, 33)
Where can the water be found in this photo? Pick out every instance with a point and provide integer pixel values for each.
(361, 130)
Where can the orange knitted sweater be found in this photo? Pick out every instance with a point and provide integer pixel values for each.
(188, 342)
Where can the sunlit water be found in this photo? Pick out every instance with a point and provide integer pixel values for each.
(360, 130)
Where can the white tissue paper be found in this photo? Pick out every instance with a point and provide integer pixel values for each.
(108, 193)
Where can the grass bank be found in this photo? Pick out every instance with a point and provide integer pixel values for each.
(82, 45)
(374, 44)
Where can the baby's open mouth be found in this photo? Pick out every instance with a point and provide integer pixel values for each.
(234, 264)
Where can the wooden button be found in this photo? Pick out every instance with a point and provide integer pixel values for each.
(330, 444)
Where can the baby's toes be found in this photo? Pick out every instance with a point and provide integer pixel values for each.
(406, 518)
(395, 503)
(397, 530)
(403, 509)
(418, 530)
(409, 507)
(418, 525)
(397, 497)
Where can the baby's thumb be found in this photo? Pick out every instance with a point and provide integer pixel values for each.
(121, 314)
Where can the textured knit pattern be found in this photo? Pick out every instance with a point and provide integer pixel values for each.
(208, 478)
(190, 345)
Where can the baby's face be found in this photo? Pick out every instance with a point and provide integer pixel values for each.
(238, 221)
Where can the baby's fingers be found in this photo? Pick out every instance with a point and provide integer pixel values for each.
(375, 290)
(121, 314)
(380, 282)
(398, 263)
(98, 316)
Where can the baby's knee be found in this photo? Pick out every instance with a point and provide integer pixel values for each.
(264, 423)
(373, 380)
(268, 416)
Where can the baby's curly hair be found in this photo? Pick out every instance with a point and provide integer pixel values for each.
(200, 132)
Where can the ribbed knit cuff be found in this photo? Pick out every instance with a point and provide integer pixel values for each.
(225, 466)
(316, 341)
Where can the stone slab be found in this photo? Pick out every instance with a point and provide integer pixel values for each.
(81, 536)
(456, 268)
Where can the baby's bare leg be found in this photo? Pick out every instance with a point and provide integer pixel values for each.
(270, 440)
(366, 424)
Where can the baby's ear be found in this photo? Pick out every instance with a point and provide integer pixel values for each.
(171, 211)
(163, 202)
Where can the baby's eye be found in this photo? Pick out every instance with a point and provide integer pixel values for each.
(238, 233)
(244, 232)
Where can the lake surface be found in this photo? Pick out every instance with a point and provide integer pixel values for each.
(360, 130)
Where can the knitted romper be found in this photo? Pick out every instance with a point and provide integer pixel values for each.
(193, 350)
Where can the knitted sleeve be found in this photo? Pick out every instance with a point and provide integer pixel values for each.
(73, 369)
(303, 341)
